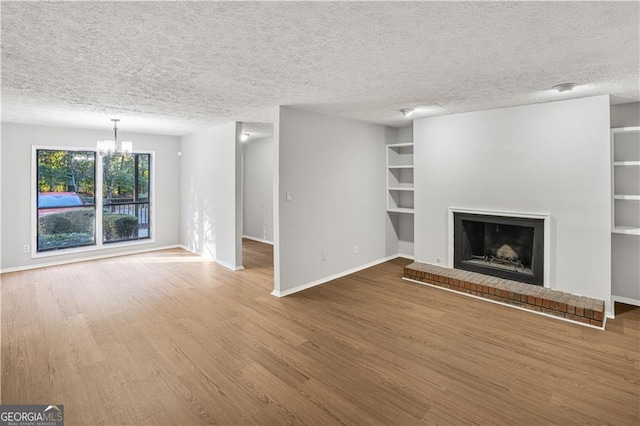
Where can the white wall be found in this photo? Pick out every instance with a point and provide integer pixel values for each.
(257, 203)
(210, 192)
(17, 140)
(405, 134)
(625, 249)
(544, 158)
(335, 171)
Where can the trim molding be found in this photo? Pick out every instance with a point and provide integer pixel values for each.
(406, 256)
(219, 262)
(627, 300)
(604, 322)
(334, 277)
(88, 258)
(260, 240)
(228, 265)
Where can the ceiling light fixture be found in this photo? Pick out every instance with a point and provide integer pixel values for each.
(419, 110)
(111, 146)
(565, 87)
(407, 112)
(244, 137)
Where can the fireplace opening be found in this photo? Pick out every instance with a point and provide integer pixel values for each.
(505, 247)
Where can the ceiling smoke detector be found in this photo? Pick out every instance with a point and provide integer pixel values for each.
(565, 87)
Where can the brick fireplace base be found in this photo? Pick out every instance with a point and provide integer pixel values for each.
(580, 309)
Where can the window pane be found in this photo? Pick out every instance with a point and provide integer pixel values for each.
(126, 197)
(65, 228)
(67, 171)
(143, 177)
(118, 178)
(125, 222)
(66, 210)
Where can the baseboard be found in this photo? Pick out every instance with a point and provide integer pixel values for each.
(228, 265)
(406, 256)
(219, 262)
(604, 323)
(260, 240)
(626, 300)
(89, 258)
(333, 277)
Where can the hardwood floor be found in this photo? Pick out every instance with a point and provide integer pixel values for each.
(167, 338)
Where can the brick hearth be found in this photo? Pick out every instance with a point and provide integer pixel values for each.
(579, 309)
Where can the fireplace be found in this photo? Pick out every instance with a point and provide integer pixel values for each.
(501, 246)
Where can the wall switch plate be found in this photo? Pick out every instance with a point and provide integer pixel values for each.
(26, 248)
(356, 250)
(324, 256)
(288, 197)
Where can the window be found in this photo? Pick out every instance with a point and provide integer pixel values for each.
(125, 192)
(66, 200)
(69, 215)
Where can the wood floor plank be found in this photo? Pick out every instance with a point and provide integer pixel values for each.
(170, 338)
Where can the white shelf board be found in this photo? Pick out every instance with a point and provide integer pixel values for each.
(625, 129)
(626, 197)
(626, 163)
(402, 166)
(400, 210)
(399, 145)
(401, 188)
(629, 230)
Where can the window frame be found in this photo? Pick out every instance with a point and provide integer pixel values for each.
(150, 194)
(37, 201)
(99, 244)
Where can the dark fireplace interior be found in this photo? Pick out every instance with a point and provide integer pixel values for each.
(505, 247)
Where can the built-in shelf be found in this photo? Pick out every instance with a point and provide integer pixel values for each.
(625, 180)
(400, 145)
(626, 163)
(629, 230)
(400, 210)
(400, 177)
(626, 197)
(401, 188)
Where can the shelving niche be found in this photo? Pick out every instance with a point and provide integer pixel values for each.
(400, 178)
(625, 180)
(400, 194)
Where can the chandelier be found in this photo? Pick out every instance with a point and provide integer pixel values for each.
(111, 146)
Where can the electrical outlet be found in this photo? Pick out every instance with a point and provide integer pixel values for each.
(26, 248)
(356, 250)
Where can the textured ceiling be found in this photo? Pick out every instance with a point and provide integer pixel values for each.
(172, 67)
